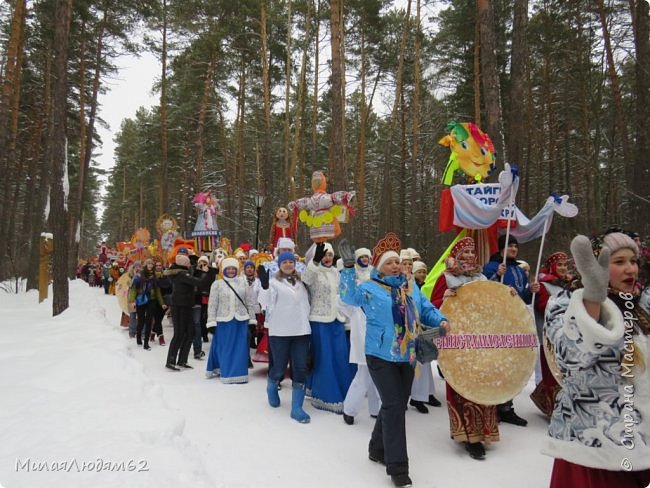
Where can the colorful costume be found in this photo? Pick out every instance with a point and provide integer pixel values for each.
(206, 230)
(547, 387)
(321, 211)
(280, 227)
(468, 421)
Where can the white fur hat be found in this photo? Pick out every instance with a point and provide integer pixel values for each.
(414, 253)
(384, 257)
(285, 243)
(229, 263)
(329, 248)
(405, 254)
(418, 265)
(362, 251)
(204, 259)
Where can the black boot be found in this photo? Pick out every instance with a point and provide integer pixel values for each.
(348, 419)
(376, 457)
(510, 417)
(171, 366)
(476, 450)
(419, 406)
(433, 401)
(401, 480)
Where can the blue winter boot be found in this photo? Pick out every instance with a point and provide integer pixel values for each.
(272, 393)
(297, 397)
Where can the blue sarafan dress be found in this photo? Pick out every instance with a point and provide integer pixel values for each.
(331, 376)
(229, 352)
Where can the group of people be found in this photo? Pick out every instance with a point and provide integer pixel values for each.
(346, 330)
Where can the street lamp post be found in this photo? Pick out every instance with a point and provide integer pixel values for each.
(259, 201)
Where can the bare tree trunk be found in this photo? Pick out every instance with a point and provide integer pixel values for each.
(267, 169)
(314, 108)
(582, 169)
(337, 168)
(642, 115)
(57, 155)
(387, 202)
(548, 150)
(403, 180)
(360, 173)
(296, 165)
(477, 72)
(77, 203)
(516, 131)
(415, 203)
(287, 96)
(227, 163)
(490, 78)
(86, 155)
(240, 147)
(186, 188)
(200, 128)
(625, 171)
(343, 88)
(9, 112)
(164, 150)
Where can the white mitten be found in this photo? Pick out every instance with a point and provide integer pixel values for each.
(594, 272)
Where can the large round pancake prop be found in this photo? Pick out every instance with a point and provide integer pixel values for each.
(122, 286)
(491, 349)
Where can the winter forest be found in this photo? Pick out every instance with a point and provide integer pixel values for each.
(255, 95)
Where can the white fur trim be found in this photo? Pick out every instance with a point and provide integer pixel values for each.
(609, 330)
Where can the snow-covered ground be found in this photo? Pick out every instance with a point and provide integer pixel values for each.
(82, 406)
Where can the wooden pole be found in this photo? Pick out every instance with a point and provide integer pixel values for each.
(45, 265)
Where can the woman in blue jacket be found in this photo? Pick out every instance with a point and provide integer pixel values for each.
(392, 306)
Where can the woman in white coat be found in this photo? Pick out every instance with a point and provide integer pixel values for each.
(599, 433)
(228, 356)
(286, 301)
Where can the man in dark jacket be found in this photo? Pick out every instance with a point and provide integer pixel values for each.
(183, 291)
(513, 275)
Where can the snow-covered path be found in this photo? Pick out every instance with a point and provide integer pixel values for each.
(82, 405)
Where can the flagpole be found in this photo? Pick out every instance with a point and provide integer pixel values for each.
(510, 204)
(539, 258)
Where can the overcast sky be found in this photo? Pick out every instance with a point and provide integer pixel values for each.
(130, 90)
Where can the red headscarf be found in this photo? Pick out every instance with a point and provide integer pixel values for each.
(457, 251)
(551, 263)
(463, 265)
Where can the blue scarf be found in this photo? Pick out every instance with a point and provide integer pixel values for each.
(404, 314)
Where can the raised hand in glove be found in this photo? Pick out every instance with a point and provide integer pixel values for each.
(320, 252)
(594, 272)
(263, 275)
(346, 250)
